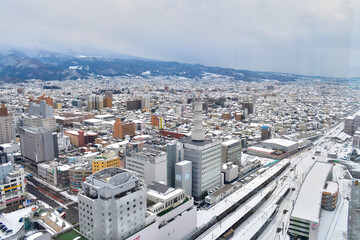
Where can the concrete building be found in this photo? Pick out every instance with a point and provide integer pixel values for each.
(123, 129)
(12, 184)
(183, 176)
(205, 156)
(265, 133)
(37, 145)
(231, 172)
(175, 154)
(41, 110)
(77, 176)
(231, 151)
(149, 163)
(356, 140)
(351, 124)
(112, 204)
(145, 101)
(7, 133)
(157, 121)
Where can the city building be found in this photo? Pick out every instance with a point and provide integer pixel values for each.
(356, 139)
(7, 133)
(122, 129)
(106, 160)
(81, 138)
(231, 172)
(41, 109)
(112, 204)
(175, 154)
(37, 145)
(12, 184)
(231, 151)
(157, 121)
(151, 164)
(205, 156)
(330, 196)
(265, 133)
(77, 175)
(35, 121)
(133, 105)
(351, 124)
(108, 99)
(145, 101)
(305, 217)
(183, 176)
(95, 102)
(48, 100)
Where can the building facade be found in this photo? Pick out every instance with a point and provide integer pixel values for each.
(7, 133)
(175, 154)
(112, 205)
(231, 151)
(123, 129)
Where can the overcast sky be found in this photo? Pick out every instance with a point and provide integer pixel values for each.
(314, 37)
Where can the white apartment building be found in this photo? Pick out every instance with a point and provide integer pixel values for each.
(150, 164)
(6, 129)
(112, 204)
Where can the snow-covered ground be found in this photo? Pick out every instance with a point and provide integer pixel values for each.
(70, 196)
(47, 184)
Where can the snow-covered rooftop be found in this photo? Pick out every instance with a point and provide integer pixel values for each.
(308, 203)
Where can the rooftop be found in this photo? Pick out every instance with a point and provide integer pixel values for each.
(308, 203)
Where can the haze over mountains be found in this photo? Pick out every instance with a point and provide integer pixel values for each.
(17, 66)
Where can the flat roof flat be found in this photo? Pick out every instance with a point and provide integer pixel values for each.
(308, 203)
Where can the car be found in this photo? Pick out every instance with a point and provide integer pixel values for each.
(8, 231)
(4, 229)
(2, 226)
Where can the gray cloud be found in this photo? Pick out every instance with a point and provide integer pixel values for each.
(317, 37)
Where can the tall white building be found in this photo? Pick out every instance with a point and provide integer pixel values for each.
(150, 164)
(205, 156)
(145, 101)
(112, 204)
(34, 121)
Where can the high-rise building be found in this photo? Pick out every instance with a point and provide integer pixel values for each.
(7, 133)
(205, 156)
(37, 144)
(107, 101)
(231, 151)
(356, 140)
(175, 154)
(157, 121)
(351, 124)
(149, 163)
(249, 106)
(112, 204)
(95, 102)
(122, 129)
(145, 101)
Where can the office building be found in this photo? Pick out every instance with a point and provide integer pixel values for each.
(231, 151)
(157, 121)
(230, 171)
(106, 160)
(205, 156)
(81, 138)
(133, 105)
(183, 176)
(351, 124)
(7, 133)
(151, 165)
(37, 145)
(12, 184)
(175, 154)
(112, 204)
(249, 107)
(122, 129)
(42, 109)
(145, 101)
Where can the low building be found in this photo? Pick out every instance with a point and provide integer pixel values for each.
(106, 160)
(77, 176)
(162, 197)
(222, 193)
(330, 196)
(231, 172)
